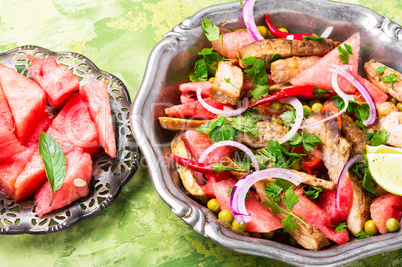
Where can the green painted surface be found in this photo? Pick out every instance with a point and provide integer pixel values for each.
(138, 229)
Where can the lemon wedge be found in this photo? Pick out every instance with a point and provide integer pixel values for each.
(382, 149)
(386, 170)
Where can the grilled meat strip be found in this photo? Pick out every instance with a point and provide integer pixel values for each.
(264, 49)
(392, 123)
(371, 68)
(267, 131)
(285, 69)
(177, 124)
(227, 84)
(352, 133)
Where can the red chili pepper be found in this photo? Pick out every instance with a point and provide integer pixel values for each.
(280, 34)
(202, 167)
(306, 91)
(314, 162)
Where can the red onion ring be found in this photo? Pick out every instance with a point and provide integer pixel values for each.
(248, 17)
(349, 163)
(327, 32)
(347, 74)
(233, 144)
(226, 113)
(240, 189)
(293, 101)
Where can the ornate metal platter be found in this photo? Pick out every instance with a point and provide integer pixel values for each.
(109, 175)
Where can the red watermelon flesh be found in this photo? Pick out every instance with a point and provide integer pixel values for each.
(99, 107)
(42, 125)
(311, 213)
(262, 220)
(375, 92)
(79, 166)
(56, 79)
(25, 98)
(319, 75)
(194, 109)
(73, 127)
(9, 144)
(231, 42)
(11, 168)
(189, 91)
(385, 207)
(327, 201)
(196, 142)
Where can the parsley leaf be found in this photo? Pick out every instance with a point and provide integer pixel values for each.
(345, 52)
(362, 234)
(245, 165)
(260, 91)
(277, 154)
(308, 140)
(381, 69)
(273, 190)
(312, 192)
(360, 109)
(274, 57)
(206, 66)
(377, 138)
(211, 30)
(230, 192)
(314, 37)
(340, 226)
(363, 173)
(230, 82)
(258, 71)
(390, 79)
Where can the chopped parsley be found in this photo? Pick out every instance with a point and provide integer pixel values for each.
(289, 117)
(259, 75)
(361, 170)
(307, 140)
(273, 190)
(312, 192)
(345, 52)
(340, 226)
(278, 154)
(206, 66)
(274, 57)
(314, 37)
(377, 138)
(360, 109)
(211, 30)
(381, 69)
(260, 92)
(362, 235)
(390, 79)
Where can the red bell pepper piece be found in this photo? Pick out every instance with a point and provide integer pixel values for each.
(315, 162)
(280, 34)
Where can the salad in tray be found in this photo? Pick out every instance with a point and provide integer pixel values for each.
(281, 138)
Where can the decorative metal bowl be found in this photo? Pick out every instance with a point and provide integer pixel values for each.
(170, 64)
(109, 174)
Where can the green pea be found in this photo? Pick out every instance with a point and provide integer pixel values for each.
(392, 225)
(309, 110)
(276, 105)
(263, 30)
(370, 228)
(252, 100)
(393, 100)
(313, 101)
(242, 226)
(213, 205)
(399, 106)
(226, 215)
(278, 121)
(316, 107)
(268, 235)
(283, 30)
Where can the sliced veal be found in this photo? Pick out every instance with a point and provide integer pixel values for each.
(99, 107)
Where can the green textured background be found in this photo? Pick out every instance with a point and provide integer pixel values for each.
(138, 229)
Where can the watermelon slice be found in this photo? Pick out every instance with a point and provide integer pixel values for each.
(384, 208)
(327, 201)
(75, 185)
(194, 109)
(73, 127)
(196, 142)
(9, 144)
(99, 107)
(26, 100)
(375, 92)
(319, 75)
(311, 213)
(56, 79)
(189, 91)
(262, 220)
(231, 42)
(11, 168)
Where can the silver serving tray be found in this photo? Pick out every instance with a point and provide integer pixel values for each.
(108, 175)
(173, 59)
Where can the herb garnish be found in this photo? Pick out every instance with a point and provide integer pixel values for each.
(340, 226)
(230, 82)
(314, 37)
(259, 75)
(362, 234)
(312, 192)
(308, 140)
(381, 69)
(360, 109)
(345, 52)
(377, 138)
(54, 161)
(290, 199)
(206, 66)
(390, 79)
(277, 154)
(289, 117)
(211, 30)
(362, 171)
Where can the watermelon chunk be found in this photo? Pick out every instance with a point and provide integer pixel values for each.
(189, 91)
(56, 79)
(196, 142)
(375, 92)
(327, 201)
(262, 220)
(25, 98)
(99, 107)
(11, 168)
(231, 42)
(9, 144)
(311, 213)
(319, 75)
(385, 207)
(75, 185)
(194, 109)
(73, 127)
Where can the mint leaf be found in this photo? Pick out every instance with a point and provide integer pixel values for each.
(390, 79)
(312, 192)
(345, 52)
(211, 30)
(54, 161)
(381, 69)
